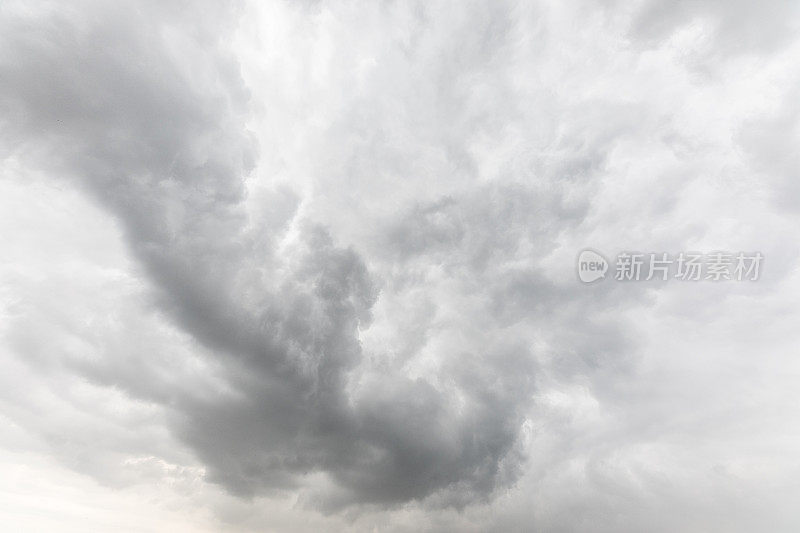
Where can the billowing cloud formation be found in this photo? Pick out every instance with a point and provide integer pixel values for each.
(161, 143)
(334, 259)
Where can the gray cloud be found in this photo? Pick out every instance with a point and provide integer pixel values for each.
(738, 27)
(143, 107)
(334, 270)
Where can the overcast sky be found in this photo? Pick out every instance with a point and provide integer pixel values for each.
(311, 266)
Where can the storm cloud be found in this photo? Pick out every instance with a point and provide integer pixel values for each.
(323, 253)
(163, 146)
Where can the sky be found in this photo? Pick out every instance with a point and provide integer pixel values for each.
(311, 266)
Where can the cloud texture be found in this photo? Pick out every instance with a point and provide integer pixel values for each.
(312, 265)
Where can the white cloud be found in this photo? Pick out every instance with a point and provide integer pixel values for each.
(311, 265)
